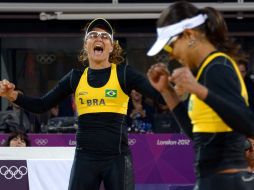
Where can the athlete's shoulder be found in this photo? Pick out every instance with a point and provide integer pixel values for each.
(77, 71)
(222, 59)
(124, 68)
(74, 75)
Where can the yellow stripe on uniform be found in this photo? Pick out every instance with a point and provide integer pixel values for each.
(204, 118)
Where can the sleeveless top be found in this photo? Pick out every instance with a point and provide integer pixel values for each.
(108, 98)
(203, 118)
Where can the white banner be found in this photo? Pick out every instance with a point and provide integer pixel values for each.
(49, 174)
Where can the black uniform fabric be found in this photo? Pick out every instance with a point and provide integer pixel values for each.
(88, 172)
(99, 136)
(238, 181)
(219, 151)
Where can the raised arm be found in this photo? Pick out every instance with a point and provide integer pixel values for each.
(159, 76)
(7, 90)
(63, 88)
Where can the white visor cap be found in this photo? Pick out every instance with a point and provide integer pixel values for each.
(165, 34)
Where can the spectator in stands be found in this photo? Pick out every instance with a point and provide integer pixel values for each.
(17, 139)
(54, 112)
(218, 118)
(164, 122)
(243, 67)
(249, 153)
(102, 91)
(19, 119)
(60, 118)
(140, 114)
(63, 109)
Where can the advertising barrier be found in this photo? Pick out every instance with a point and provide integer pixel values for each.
(159, 159)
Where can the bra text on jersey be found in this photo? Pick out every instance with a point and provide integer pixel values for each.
(93, 102)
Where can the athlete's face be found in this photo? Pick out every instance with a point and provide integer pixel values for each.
(137, 97)
(183, 49)
(177, 49)
(98, 44)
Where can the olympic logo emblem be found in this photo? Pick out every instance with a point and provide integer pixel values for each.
(131, 141)
(13, 172)
(46, 58)
(41, 142)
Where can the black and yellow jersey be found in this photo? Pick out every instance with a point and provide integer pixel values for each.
(220, 123)
(203, 117)
(108, 98)
(101, 119)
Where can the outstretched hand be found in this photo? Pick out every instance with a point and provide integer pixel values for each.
(7, 89)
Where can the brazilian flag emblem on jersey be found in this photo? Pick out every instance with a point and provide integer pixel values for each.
(111, 93)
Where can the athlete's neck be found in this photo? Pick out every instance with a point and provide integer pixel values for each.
(99, 65)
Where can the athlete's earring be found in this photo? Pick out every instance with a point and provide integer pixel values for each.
(191, 42)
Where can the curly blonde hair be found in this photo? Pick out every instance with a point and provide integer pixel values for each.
(114, 57)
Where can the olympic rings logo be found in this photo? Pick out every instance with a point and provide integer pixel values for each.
(131, 141)
(46, 58)
(13, 172)
(42, 142)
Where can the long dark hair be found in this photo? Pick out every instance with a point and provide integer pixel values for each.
(215, 27)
